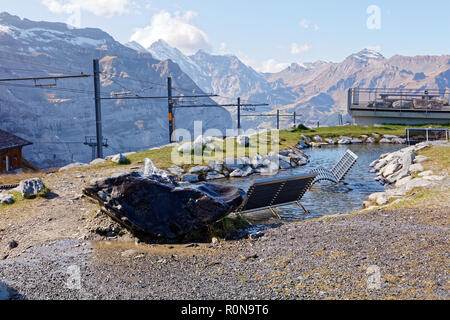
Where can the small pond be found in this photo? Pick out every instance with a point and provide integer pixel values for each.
(326, 198)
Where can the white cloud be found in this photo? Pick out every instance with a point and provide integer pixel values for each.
(305, 24)
(297, 48)
(272, 66)
(177, 30)
(97, 7)
(374, 48)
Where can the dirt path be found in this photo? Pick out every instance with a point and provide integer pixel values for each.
(390, 253)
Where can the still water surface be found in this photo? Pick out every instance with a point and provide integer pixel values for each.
(326, 198)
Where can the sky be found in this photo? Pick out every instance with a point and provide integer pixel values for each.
(265, 34)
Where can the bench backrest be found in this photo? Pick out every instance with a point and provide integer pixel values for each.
(344, 165)
(270, 193)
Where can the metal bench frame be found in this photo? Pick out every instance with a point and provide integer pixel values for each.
(279, 185)
(339, 171)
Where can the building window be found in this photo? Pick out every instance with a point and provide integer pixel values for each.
(7, 164)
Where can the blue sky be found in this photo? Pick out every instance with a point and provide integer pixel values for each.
(266, 34)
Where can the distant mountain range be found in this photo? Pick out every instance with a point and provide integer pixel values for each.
(57, 118)
(316, 90)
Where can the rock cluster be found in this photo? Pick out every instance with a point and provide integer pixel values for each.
(317, 141)
(243, 167)
(397, 170)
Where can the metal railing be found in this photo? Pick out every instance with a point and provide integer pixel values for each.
(399, 99)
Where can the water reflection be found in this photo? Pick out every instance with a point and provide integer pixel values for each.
(326, 198)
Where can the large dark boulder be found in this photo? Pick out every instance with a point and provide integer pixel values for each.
(158, 208)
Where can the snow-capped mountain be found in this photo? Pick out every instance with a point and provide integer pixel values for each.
(316, 90)
(225, 75)
(56, 116)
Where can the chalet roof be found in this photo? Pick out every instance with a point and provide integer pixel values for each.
(10, 141)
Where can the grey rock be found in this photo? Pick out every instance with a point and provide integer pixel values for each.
(73, 165)
(148, 207)
(257, 161)
(216, 166)
(176, 170)
(199, 170)
(119, 158)
(302, 145)
(6, 198)
(318, 138)
(233, 163)
(31, 187)
(370, 140)
(97, 161)
(385, 140)
(214, 176)
(417, 167)
(191, 178)
(420, 159)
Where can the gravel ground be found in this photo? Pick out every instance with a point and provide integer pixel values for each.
(387, 253)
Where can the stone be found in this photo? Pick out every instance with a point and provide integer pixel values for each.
(210, 146)
(302, 145)
(257, 161)
(375, 135)
(233, 163)
(403, 181)
(97, 161)
(382, 200)
(306, 138)
(434, 178)
(370, 140)
(119, 158)
(191, 178)
(318, 138)
(176, 170)
(186, 148)
(417, 167)
(385, 140)
(245, 172)
(213, 175)
(151, 170)
(389, 136)
(148, 207)
(316, 145)
(31, 187)
(426, 173)
(398, 141)
(421, 146)
(13, 244)
(216, 166)
(286, 152)
(214, 240)
(390, 169)
(344, 141)
(199, 170)
(357, 141)
(420, 159)
(416, 183)
(72, 165)
(6, 198)
(243, 141)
